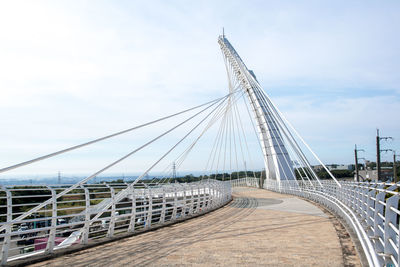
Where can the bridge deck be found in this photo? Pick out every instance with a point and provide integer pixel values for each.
(258, 228)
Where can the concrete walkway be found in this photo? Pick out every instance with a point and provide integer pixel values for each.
(258, 228)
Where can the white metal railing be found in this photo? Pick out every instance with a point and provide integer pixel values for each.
(71, 219)
(370, 209)
(246, 181)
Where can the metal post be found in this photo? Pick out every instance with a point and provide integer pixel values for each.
(175, 204)
(8, 227)
(52, 235)
(198, 199)
(164, 206)
(86, 226)
(191, 200)
(149, 210)
(183, 212)
(133, 212)
(110, 232)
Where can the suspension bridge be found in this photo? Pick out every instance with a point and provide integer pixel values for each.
(229, 215)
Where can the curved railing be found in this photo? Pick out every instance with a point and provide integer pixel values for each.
(370, 209)
(246, 181)
(71, 219)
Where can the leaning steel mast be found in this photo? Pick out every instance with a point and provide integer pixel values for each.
(278, 165)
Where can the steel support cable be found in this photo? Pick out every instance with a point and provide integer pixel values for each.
(294, 144)
(215, 118)
(224, 132)
(224, 165)
(230, 86)
(277, 120)
(219, 135)
(229, 136)
(178, 161)
(49, 201)
(223, 127)
(121, 194)
(259, 133)
(255, 131)
(302, 140)
(234, 142)
(305, 161)
(232, 81)
(220, 144)
(237, 116)
(225, 144)
(184, 154)
(216, 140)
(274, 134)
(214, 146)
(103, 138)
(246, 74)
(234, 58)
(244, 139)
(217, 145)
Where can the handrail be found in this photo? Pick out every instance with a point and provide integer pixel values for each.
(370, 209)
(72, 220)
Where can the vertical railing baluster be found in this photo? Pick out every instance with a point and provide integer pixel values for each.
(184, 202)
(111, 227)
(390, 235)
(8, 228)
(86, 227)
(378, 222)
(175, 205)
(53, 227)
(150, 209)
(132, 221)
(191, 200)
(164, 206)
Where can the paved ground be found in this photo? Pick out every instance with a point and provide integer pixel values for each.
(258, 228)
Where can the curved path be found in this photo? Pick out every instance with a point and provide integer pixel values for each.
(257, 228)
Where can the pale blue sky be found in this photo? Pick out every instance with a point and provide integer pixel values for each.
(75, 70)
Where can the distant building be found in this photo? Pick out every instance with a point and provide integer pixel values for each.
(333, 167)
(372, 175)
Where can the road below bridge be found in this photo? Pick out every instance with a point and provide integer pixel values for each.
(258, 227)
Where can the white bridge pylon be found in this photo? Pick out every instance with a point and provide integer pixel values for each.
(282, 154)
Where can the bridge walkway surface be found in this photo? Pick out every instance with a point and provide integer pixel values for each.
(258, 227)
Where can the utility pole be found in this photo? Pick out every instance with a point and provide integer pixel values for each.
(356, 161)
(378, 155)
(395, 178)
(378, 152)
(174, 171)
(59, 178)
